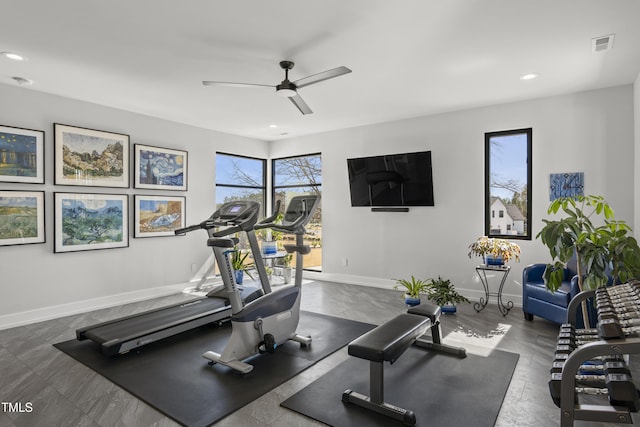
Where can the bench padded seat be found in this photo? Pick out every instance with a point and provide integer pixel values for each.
(387, 342)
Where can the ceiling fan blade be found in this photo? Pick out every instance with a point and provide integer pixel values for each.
(233, 84)
(302, 106)
(325, 75)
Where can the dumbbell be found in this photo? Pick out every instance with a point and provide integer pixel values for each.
(630, 303)
(601, 368)
(625, 313)
(610, 328)
(619, 388)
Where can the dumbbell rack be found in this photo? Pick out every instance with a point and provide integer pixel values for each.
(570, 409)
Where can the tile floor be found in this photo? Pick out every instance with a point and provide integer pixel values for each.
(63, 392)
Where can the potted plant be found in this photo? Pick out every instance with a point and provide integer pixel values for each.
(412, 289)
(494, 251)
(239, 267)
(603, 253)
(442, 292)
(286, 268)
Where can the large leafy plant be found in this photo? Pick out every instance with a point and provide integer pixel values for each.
(603, 252)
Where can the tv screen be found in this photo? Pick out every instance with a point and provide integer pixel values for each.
(391, 180)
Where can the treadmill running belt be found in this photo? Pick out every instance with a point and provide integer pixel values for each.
(145, 323)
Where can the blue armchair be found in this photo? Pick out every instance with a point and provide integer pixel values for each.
(539, 301)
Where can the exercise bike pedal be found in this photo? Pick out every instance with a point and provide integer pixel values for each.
(269, 344)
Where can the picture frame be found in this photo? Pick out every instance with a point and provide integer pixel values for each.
(159, 168)
(21, 217)
(156, 216)
(567, 184)
(84, 222)
(89, 157)
(21, 155)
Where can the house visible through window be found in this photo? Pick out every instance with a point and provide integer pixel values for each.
(508, 183)
(292, 176)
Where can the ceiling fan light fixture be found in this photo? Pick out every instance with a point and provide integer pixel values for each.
(286, 92)
(286, 89)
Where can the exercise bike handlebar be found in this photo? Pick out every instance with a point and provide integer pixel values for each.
(269, 221)
(292, 227)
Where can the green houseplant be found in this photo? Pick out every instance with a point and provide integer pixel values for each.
(412, 289)
(238, 262)
(442, 292)
(603, 252)
(498, 249)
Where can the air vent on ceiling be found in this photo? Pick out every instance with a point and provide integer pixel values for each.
(602, 44)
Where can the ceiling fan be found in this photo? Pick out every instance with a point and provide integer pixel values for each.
(288, 88)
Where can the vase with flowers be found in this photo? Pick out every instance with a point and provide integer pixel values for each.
(494, 251)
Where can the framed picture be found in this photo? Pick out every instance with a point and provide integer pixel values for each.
(158, 215)
(85, 222)
(21, 217)
(21, 155)
(568, 184)
(160, 168)
(90, 157)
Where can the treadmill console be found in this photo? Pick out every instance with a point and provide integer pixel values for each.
(239, 209)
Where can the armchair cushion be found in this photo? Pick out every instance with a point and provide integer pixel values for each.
(539, 301)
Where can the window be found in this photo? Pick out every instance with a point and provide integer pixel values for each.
(508, 183)
(240, 178)
(301, 175)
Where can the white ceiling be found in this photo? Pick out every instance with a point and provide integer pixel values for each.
(409, 58)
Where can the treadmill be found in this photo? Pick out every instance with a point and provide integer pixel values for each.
(127, 333)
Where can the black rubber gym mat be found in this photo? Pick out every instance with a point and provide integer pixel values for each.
(172, 376)
(441, 390)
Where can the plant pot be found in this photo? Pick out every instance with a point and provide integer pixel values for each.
(239, 276)
(490, 260)
(411, 301)
(448, 309)
(286, 274)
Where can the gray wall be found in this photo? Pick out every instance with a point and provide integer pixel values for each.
(590, 132)
(34, 278)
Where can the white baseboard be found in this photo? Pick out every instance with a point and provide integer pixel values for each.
(47, 313)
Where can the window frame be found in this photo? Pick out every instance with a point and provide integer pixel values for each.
(528, 132)
(264, 178)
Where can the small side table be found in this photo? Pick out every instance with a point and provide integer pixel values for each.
(482, 274)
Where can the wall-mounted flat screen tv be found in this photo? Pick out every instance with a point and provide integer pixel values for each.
(391, 180)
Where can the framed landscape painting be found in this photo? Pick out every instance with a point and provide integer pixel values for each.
(85, 222)
(21, 155)
(90, 157)
(21, 217)
(158, 215)
(160, 168)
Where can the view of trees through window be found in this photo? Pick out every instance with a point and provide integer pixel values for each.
(293, 176)
(240, 178)
(508, 184)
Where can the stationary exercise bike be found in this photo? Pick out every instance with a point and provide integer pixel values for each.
(267, 322)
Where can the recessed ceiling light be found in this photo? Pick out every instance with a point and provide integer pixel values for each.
(22, 81)
(13, 55)
(529, 76)
(273, 126)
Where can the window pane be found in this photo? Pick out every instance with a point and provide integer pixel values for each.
(508, 183)
(313, 236)
(302, 170)
(240, 171)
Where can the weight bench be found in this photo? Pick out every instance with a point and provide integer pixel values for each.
(386, 343)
